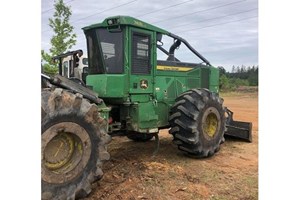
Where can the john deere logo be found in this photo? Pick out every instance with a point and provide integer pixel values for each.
(144, 84)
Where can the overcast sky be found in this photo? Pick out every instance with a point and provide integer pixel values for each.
(224, 32)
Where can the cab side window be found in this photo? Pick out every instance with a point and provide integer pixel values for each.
(141, 53)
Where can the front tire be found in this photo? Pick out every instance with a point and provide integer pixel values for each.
(197, 121)
(73, 145)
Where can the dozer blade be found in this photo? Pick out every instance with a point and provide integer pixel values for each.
(238, 129)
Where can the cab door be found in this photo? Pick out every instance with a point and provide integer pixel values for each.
(141, 61)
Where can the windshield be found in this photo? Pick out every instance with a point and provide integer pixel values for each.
(105, 51)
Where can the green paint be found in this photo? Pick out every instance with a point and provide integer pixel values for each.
(105, 85)
(126, 21)
(214, 80)
(104, 111)
(141, 101)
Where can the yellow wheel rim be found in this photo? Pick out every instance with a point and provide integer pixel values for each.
(59, 151)
(211, 125)
(66, 150)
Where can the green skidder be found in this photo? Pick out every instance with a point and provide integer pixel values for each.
(136, 83)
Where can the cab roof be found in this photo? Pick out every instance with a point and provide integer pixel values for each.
(127, 21)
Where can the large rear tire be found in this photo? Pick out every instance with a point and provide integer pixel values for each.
(74, 143)
(197, 121)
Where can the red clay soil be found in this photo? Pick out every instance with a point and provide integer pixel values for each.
(232, 173)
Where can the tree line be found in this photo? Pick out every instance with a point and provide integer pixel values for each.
(239, 76)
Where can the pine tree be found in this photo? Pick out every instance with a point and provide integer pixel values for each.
(233, 69)
(63, 38)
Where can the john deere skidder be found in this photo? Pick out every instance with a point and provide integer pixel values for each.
(129, 90)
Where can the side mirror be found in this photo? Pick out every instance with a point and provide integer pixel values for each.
(158, 39)
(85, 72)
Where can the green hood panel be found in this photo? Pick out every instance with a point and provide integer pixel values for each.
(108, 85)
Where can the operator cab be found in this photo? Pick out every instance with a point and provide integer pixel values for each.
(126, 52)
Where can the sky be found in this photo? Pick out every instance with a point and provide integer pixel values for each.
(224, 32)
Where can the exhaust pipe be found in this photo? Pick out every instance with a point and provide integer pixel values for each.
(238, 129)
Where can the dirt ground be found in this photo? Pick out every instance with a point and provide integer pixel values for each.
(232, 173)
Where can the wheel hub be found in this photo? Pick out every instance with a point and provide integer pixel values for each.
(59, 151)
(211, 125)
(210, 122)
(66, 149)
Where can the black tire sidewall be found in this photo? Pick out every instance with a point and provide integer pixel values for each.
(209, 143)
(89, 128)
